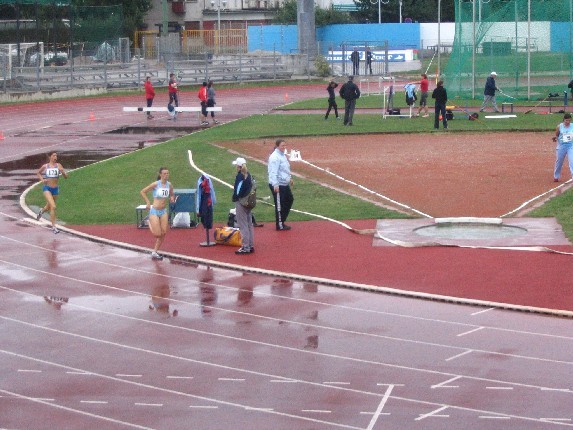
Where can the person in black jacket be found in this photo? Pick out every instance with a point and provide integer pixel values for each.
(350, 93)
(331, 99)
(441, 96)
(355, 58)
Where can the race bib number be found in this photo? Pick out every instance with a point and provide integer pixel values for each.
(567, 137)
(52, 173)
(163, 193)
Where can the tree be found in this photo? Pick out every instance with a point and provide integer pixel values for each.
(133, 11)
(416, 10)
(287, 15)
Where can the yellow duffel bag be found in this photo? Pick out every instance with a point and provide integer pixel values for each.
(228, 236)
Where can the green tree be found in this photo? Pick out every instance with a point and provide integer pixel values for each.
(287, 15)
(133, 12)
(416, 10)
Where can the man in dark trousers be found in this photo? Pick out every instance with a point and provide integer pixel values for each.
(489, 92)
(441, 96)
(350, 93)
(368, 61)
(355, 58)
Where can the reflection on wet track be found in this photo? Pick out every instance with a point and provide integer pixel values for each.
(99, 337)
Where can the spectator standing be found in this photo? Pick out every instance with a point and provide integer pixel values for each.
(564, 138)
(355, 58)
(424, 87)
(205, 200)
(280, 182)
(173, 92)
(203, 98)
(211, 100)
(350, 93)
(331, 99)
(441, 96)
(368, 61)
(149, 95)
(489, 92)
(242, 188)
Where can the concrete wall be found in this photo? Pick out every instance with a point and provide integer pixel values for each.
(49, 95)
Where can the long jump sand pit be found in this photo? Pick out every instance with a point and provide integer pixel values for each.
(441, 174)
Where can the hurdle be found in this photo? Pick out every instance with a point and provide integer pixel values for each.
(177, 109)
(386, 107)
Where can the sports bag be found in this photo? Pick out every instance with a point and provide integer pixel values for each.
(228, 236)
(250, 200)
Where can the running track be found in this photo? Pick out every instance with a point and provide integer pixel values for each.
(96, 336)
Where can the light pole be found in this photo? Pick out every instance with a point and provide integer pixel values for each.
(218, 3)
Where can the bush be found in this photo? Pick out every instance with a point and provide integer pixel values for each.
(322, 66)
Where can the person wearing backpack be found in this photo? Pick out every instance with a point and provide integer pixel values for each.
(243, 194)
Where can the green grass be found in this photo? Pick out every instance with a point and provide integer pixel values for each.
(108, 192)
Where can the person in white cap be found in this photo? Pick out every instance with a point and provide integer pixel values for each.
(489, 92)
(242, 188)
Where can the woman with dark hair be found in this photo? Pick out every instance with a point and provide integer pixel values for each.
(158, 211)
(49, 175)
(564, 138)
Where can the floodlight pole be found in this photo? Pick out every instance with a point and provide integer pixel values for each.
(164, 18)
(439, 39)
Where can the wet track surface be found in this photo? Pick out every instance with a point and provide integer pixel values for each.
(99, 337)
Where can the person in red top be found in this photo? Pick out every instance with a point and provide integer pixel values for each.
(149, 95)
(203, 97)
(424, 87)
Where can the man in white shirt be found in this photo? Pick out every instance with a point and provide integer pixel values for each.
(280, 182)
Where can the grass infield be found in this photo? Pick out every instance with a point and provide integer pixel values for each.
(108, 192)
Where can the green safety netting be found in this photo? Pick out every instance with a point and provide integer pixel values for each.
(528, 43)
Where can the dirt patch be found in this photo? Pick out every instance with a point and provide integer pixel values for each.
(445, 174)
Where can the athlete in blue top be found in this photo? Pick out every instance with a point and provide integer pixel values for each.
(158, 215)
(49, 175)
(564, 138)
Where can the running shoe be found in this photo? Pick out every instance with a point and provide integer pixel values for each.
(55, 230)
(156, 256)
(39, 214)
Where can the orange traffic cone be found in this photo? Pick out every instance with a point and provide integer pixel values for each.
(92, 116)
(1, 135)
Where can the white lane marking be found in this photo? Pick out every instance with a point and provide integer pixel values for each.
(339, 330)
(334, 306)
(489, 417)
(379, 408)
(222, 402)
(443, 384)
(179, 377)
(483, 312)
(123, 375)
(433, 414)
(29, 371)
(335, 383)
(282, 347)
(316, 411)
(460, 355)
(284, 381)
(94, 402)
(470, 331)
(499, 388)
(156, 405)
(564, 420)
(169, 391)
(77, 373)
(203, 407)
(231, 379)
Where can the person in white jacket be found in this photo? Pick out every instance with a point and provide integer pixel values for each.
(280, 182)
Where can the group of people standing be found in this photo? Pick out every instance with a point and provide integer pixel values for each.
(355, 59)
(206, 97)
(280, 183)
